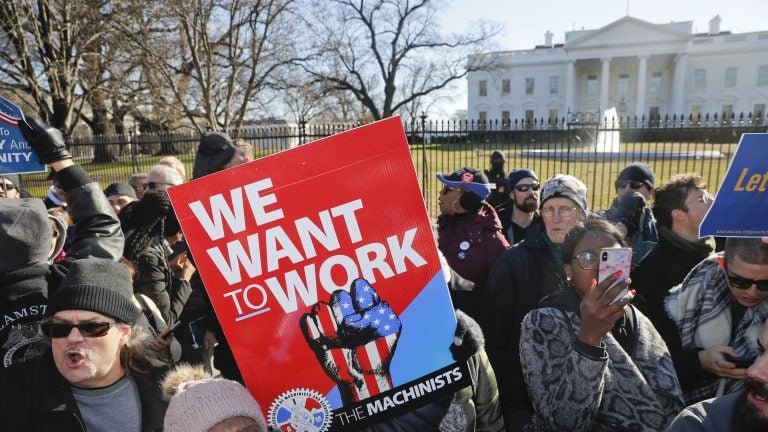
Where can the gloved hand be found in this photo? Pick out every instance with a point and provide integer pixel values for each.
(354, 337)
(46, 141)
(465, 343)
(628, 210)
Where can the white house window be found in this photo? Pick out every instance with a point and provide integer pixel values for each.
(591, 84)
(656, 82)
(505, 120)
(727, 112)
(505, 87)
(623, 83)
(529, 82)
(762, 76)
(483, 88)
(482, 116)
(554, 85)
(699, 79)
(696, 113)
(730, 77)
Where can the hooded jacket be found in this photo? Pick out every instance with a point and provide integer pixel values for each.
(24, 291)
(213, 154)
(471, 242)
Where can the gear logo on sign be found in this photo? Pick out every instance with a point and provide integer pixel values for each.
(300, 410)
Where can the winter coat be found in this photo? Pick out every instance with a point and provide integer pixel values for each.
(36, 398)
(578, 387)
(661, 270)
(524, 275)
(24, 292)
(711, 415)
(155, 280)
(471, 242)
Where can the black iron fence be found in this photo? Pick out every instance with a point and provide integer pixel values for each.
(586, 145)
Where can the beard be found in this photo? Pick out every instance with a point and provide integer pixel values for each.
(528, 205)
(749, 416)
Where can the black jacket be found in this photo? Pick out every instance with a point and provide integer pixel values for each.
(661, 270)
(34, 397)
(24, 292)
(524, 275)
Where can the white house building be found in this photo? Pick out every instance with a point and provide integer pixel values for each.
(637, 67)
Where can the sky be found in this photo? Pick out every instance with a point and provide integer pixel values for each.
(526, 22)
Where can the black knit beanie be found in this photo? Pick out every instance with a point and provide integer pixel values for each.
(639, 172)
(98, 285)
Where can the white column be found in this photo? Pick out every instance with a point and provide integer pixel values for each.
(642, 71)
(605, 79)
(570, 85)
(678, 91)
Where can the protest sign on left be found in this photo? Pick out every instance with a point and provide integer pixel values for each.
(16, 157)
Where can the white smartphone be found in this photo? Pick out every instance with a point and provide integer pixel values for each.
(611, 261)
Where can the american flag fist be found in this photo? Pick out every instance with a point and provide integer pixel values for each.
(354, 337)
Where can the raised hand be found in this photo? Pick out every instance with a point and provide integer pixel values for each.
(354, 337)
(45, 140)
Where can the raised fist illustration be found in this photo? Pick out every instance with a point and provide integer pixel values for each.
(354, 337)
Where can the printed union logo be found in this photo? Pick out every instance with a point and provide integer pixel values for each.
(300, 410)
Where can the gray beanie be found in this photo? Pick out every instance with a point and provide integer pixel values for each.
(98, 285)
(13, 178)
(567, 186)
(23, 223)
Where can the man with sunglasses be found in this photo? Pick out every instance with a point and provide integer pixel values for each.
(27, 272)
(634, 188)
(719, 310)
(95, 376)
(519, 212)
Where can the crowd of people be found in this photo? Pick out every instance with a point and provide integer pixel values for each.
(108, 327)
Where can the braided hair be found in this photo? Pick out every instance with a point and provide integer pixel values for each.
(143, 221)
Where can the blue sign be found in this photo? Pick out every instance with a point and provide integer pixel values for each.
(741, 206)
(16, 157)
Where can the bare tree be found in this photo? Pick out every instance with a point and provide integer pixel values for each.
(218, 56)
(390, 53)
(42, 47)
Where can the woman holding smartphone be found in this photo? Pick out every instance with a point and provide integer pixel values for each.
(593, 362)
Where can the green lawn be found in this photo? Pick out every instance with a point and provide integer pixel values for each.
(598, 175)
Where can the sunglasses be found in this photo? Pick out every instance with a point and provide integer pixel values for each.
(153, 185)
(740, 282)
(525, 187)
(587, 260)
(61, 329)
(9, 186)
(632, 184)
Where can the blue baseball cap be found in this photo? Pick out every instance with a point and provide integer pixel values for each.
(471, 179)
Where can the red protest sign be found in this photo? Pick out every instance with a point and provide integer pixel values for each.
(321, 264)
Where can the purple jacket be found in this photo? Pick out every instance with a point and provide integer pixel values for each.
(471, 242)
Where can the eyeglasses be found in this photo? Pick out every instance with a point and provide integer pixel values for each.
(587, 260)
(621, 184)
(63, 329)
(564, 212)
(153, 185)
(526, 187)
(740, 282)
(447, 189)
